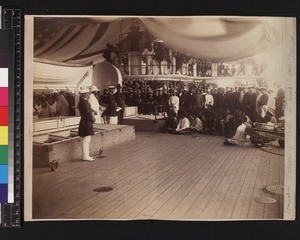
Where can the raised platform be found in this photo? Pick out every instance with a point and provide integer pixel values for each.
(146, 123)
(65, 145)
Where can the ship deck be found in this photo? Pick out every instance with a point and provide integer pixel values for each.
(163, 176)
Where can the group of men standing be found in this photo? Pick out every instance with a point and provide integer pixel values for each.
(89, 108)
(113, 102)
(253, 101)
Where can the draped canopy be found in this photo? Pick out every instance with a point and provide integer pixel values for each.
(52, 76)
(83, 39)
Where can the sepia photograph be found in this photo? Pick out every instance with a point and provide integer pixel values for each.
(173, 118)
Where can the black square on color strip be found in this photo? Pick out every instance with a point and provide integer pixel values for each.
(6, 41)
(3, 58)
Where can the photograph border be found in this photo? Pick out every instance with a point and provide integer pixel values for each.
(290, 113)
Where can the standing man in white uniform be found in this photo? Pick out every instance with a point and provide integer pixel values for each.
(174, 101)
(93, 100)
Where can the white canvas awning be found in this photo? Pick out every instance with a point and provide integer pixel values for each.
(83, 39)
(53, 75)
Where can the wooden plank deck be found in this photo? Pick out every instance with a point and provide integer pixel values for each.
(163, 176)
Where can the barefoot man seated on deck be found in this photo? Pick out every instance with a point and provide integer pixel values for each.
(196, 124)
(239, 137)
(184, 124)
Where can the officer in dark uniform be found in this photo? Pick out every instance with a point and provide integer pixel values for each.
(111, 106)
(120, 100)
(252, 104)
(279, 99)
(85, 129)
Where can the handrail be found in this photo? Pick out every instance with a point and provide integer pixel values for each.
(134, 63)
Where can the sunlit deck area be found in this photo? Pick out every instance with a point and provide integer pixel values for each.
(163, 176)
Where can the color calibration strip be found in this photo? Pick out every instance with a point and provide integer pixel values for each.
(6, 116)
(4, 126)
(10, 44)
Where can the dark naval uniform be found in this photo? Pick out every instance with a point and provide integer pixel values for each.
(87, 118)
(112, 105)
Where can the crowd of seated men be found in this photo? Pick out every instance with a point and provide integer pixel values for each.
(53, 104)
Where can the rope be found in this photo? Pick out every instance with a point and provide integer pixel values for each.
(263, 149)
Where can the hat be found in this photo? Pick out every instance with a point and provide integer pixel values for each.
(158, 40)
(111, 87)
(271, 111)
(94, 88)
(84, 90)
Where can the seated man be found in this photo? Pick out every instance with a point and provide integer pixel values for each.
(171, 121)
(270, 113)
(196, 124)
(183, 123)
(239, 137)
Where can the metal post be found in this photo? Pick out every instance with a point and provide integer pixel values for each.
(129, 63)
